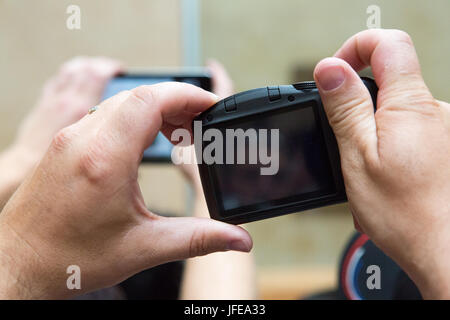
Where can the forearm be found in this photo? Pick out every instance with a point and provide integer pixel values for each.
(224, 275)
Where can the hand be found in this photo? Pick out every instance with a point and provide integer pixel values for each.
(65, 99)
(78, 86)
(222, 85)
(395, 162)
(83, 206)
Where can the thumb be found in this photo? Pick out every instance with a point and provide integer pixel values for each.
(181, 238)
(348, 106)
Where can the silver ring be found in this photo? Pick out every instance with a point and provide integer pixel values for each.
(92, 110)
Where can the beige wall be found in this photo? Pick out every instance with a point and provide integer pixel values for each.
(262, 41)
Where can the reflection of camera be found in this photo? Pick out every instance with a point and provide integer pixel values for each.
(245, 132)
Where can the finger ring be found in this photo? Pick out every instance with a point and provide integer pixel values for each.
(92, 110)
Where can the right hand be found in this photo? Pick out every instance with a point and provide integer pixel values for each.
(396, 162)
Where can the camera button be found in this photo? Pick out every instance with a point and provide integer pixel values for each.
(273, 93)
(230, 104)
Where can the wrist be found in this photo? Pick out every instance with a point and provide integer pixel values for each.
(433, 278)
(434, 286)
(13, 275)
(429, 265)
(23, 272)
(30, 265)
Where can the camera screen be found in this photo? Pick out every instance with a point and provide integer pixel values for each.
(161, 148)
(303, 165)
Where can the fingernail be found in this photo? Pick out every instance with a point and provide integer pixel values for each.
(331, 78)
(238, 245)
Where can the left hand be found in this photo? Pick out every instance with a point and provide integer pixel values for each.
(83, 206)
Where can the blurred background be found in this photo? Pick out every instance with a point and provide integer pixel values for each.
(260, 43)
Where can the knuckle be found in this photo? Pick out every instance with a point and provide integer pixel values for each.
(68, 65)
(198, 244)
(145, 94)
(93, 165)
(368, 33)
(402, 36)
(130, 97)
(117, 101)
(140, 98)
(87, 68)
(351, 118)
(122, 96)
(402, 98)
(97, 76)
(62, 140)
(346, 110)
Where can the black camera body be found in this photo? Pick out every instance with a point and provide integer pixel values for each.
(309, 171)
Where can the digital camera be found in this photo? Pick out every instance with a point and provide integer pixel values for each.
(269, 151)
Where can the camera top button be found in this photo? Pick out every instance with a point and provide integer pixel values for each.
(305, 85)
(230, 104)
(273, 93)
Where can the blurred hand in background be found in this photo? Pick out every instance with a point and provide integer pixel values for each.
(65, 99)
(222, 86)
(220, 275)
